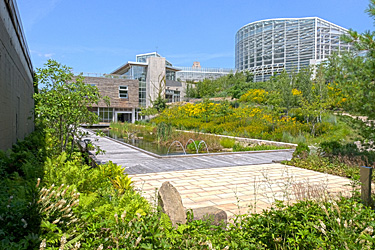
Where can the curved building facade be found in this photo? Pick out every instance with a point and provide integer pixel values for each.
(269, 46)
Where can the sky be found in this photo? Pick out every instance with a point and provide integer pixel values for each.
(98, 36)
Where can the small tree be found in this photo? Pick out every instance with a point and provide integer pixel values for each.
(62, 103)
(353, 72)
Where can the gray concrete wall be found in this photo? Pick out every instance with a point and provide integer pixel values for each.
(155, 79)
(16, 79)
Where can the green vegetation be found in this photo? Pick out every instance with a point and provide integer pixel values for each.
(163, 134)
(254, 121)
(238, 147)
(233, 85)
(76, 205)
(51, 198)
(62, 104)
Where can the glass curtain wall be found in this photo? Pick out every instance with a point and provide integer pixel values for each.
(270, 46)
(140, 73)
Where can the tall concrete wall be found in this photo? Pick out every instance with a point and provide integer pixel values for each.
(155, 81)
(16, 78)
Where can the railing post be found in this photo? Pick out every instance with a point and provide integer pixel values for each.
(365, 178)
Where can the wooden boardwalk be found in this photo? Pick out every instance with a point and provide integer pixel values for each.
(137, 161)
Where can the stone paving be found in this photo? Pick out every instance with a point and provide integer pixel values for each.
(236, 183)
(241, 189)
(136, 161)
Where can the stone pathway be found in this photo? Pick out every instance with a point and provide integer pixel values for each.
(136, 161)
(236, 183)
(241, 189)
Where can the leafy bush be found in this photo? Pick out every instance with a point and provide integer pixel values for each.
(20, 167)
(227, 142)
(301, 151)
(342, 224)
(347, 152)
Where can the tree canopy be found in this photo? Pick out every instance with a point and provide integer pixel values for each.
(62, 103)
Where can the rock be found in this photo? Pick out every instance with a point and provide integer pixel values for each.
(169, 200)
(216, 215)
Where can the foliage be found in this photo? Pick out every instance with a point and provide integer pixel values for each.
(107, 216)
(227, 142)
(122, 183)
(61, 104)
(313, 225)
(353, 73)
(342, 167)
(148, 111)
(233, 85)
(349, 151)
(20, 168)
(255, 147)
(257, 96)
(247, 121)
(302, 151)
(164, 131)
(197, 146)
(159, 103)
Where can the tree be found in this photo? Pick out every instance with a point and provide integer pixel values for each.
(354, 72)
(62, 104)
(282, 96)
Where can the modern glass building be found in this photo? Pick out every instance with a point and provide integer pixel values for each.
(150, 69)
(197, 74)
(269, 46)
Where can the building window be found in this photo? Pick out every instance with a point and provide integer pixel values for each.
(123, 91)
(105, 114)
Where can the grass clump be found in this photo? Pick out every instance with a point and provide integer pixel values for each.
(227, 142)
(255, 147)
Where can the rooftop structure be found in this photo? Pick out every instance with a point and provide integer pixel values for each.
(155, 74)
(270, 46)
(197, 73)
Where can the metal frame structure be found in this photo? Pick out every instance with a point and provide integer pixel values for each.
(199, 74)
(268, 47)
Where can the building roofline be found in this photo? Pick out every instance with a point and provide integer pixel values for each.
(172, 68)
(148, 54)
(127, 65)
(289, 18)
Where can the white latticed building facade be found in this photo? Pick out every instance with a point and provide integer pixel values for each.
(269, 46)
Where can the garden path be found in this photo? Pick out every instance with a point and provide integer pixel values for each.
(242, 189)
(235, 183)
(138, 161)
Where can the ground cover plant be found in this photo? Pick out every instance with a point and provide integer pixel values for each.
(163, 134)
(79, 207)
(251, 121)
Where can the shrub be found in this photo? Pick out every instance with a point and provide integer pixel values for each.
(227, 142)
(301, 151)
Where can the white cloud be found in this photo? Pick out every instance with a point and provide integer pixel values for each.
(49, 55)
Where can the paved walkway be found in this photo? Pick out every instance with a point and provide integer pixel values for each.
(137, 161)
(236, 183)
(241, 189)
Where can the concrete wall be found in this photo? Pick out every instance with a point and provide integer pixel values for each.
(155, 79)
(16, 79)
(110, 87)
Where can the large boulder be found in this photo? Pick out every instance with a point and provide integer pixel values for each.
(215, 215)
(169, 200)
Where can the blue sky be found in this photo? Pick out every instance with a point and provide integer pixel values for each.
(99, 36)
